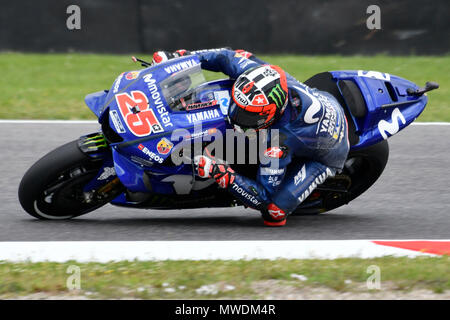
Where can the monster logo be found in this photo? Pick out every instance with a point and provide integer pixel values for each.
(278, 95)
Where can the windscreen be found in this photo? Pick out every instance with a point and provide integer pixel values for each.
(179, 89)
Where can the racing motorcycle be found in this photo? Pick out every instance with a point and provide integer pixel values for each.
(128, 162)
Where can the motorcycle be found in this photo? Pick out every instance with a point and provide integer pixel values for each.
(130, 162)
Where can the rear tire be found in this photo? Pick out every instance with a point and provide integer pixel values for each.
(63, 172)
(362, 168)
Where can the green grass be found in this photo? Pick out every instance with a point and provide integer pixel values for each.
(53, 86)
(150, 280)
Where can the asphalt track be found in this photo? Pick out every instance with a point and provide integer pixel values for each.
(410, 201)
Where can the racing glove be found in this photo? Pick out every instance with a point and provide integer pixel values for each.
(163, 56)
(208, 167)
(244, 53)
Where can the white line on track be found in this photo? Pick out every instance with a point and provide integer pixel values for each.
(12, 121)
(48, 121)
(430, 123)
(105, 251)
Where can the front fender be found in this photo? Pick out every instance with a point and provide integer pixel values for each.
(95, 101)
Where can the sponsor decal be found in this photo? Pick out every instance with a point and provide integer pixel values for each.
(117, 83)
(223, 97)
(142, 123)
(313, 109)
(319, 180)
(164, 146)
(94, 142)
(391, 127)
(152, 156)
(203, 133)
(157, 102)
(278, 95)
(132, 75)
(209, 50)
(330, 122)
(244, 62)
(114, 115)
(204, 115)
(181, 66)
(274, 152)
(271, 171)
(243, 53)
(273, 180)
(201, 105)
(269, 72)
(245, 194)
(107, 172)
(276, 214)
(375, 75)
(300, 176)
(240, 97)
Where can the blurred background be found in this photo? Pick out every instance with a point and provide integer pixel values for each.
(291, 26)
(52, 55)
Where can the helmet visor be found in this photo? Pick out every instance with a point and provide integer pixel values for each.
(246, 119)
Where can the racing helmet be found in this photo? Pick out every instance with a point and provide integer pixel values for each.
(259, 97)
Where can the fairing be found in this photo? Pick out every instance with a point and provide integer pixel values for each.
(146, 122)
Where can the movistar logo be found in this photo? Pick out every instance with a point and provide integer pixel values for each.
(313, 108)
(278, 95)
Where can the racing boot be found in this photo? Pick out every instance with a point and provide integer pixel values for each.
(274, 216)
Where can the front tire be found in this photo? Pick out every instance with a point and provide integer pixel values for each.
(52, 188)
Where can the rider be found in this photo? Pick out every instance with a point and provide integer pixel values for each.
(312, 127)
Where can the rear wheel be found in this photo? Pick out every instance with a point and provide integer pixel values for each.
(362, 168)
(53, 187)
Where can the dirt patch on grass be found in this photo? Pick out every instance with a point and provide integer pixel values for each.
(281, 290)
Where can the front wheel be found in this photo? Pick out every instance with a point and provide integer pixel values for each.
(53, 187)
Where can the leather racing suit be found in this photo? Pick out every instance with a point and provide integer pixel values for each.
(313, 142)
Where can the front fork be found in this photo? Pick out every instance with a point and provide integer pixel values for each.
(96, 147)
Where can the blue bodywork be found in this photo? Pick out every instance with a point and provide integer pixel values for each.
(381, 122)
(139, 160)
